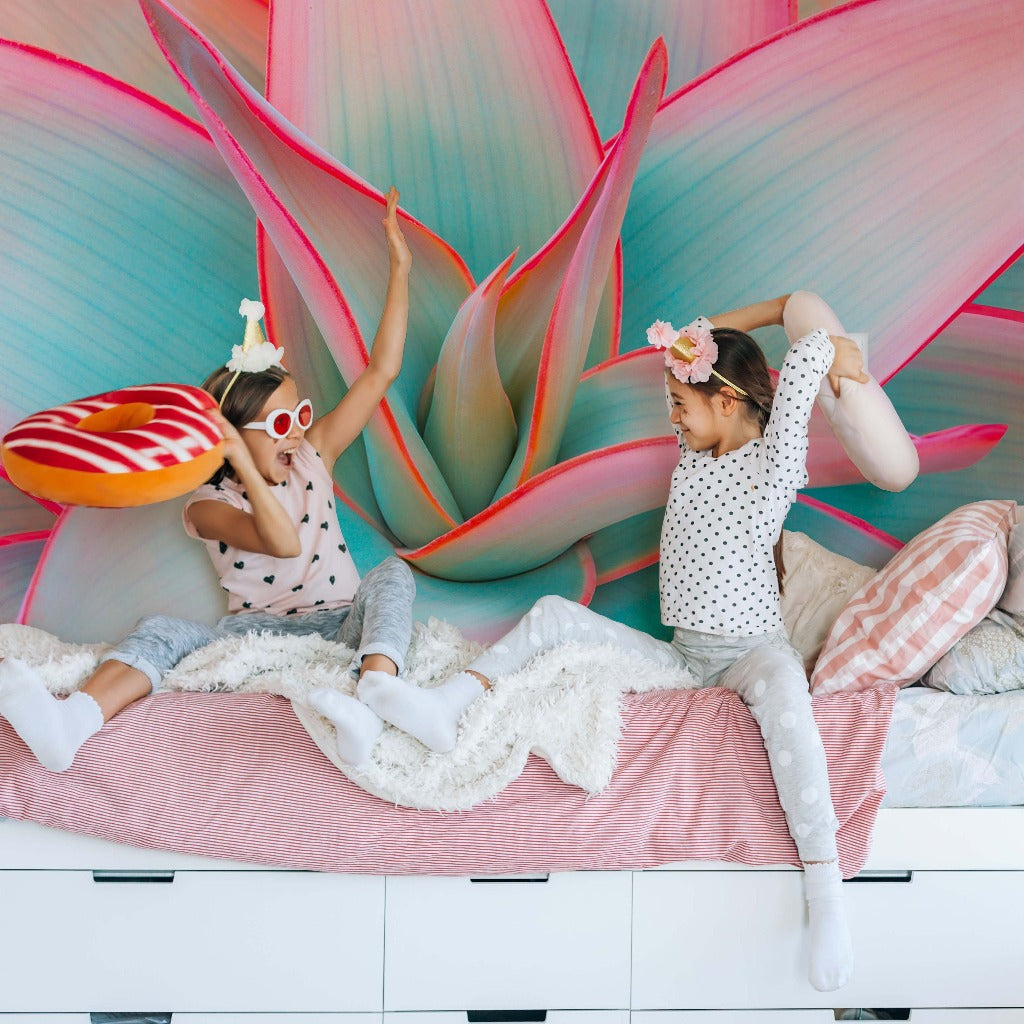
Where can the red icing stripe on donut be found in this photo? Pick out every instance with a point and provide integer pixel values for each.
(179, 431)
(100, 455)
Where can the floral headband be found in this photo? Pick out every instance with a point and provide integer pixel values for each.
(255, 354)
(690, 353)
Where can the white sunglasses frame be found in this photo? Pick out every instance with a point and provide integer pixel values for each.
(266, 425)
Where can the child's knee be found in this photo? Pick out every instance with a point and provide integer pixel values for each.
(552, 606)
(398, 574)
(156, 626)
(779, 667)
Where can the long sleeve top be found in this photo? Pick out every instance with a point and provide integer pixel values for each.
(724, 515)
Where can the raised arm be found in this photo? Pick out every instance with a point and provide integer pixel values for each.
(267, 529)
(337, 429)
(749, 318)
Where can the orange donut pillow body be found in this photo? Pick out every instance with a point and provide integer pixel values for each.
(129, 447)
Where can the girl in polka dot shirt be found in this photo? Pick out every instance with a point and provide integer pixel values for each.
(743, 449)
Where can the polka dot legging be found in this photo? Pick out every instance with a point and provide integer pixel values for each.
(764, 671)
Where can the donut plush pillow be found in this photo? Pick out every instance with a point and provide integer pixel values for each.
(123, 448)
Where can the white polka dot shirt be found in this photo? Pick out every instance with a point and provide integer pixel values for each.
(724, 515)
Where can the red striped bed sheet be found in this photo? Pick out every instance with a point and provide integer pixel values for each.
(236, 776)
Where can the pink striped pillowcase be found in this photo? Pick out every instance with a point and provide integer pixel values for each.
(928, 596)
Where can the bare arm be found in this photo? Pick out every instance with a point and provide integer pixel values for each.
(749, 318)
(267, 529)
(335, 431)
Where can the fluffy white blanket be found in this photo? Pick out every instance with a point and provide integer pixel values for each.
(563, 706)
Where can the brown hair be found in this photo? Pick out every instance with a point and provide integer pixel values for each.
(741, 360)
(245, 398)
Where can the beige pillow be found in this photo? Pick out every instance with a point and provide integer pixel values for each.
(817, 584)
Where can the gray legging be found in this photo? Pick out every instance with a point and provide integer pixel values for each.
(764, 671)
(379, 621)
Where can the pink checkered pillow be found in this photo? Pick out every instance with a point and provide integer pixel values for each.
(928, 596)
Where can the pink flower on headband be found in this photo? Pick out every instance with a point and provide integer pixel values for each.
(703, 354)
(661, 334)
(690, 353)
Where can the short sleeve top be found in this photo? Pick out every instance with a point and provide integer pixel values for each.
(322, 576)
(724, 515)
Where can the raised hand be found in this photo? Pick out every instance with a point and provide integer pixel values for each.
(398, 250)
(848, 362)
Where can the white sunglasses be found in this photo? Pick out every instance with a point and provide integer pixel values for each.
(279, 422)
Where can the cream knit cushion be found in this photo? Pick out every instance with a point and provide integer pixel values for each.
(817, 586)
(928, 596)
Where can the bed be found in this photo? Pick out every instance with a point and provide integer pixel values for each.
(204, 862)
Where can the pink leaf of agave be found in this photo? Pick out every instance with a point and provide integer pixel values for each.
(528, 299)
(486, 610)
(325, 224)
(26, 524)
(490, 103)
(545, 515)
(471, 429)
(622, 399)
(19, 556)
(627, 547)
(568, 334)
(21, 514)
(606, 41)
(840, 531)
(465, 103)
(633, 601)
(75, 594)
(940, 452)
(111, 36)
(872, 155)
(1006, 289)
(89, 166)
(975, 366)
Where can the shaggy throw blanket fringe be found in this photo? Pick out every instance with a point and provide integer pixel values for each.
(563, 706)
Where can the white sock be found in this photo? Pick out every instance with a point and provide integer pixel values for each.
(831, 961)
(432, 716)
(52, 729)
(357, 727)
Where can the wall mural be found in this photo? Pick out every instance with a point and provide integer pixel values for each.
(571, 171)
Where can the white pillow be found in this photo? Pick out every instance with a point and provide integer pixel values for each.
(816, 586)
(1012, 600)
(988, 659)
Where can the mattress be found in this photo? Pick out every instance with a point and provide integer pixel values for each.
(236, 776)
(949, 750)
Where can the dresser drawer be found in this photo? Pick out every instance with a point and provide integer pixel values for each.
(737, 939)
(958, 1016)
(198, 941)
(519, 1017)
(732, 1017)
(556, 942)
(200, 1018)
(272, 1018)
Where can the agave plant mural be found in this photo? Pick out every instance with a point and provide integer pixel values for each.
(570, 171)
